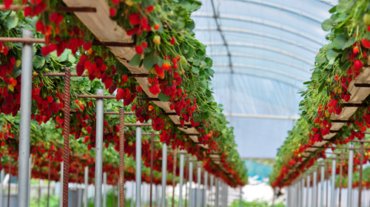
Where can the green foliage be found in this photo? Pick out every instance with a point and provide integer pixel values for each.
(255, 203)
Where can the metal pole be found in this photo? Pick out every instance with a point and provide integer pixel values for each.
(217, 202)
(360, 180)
(86, 185)
(340, 178)
(25, 119)
(302, 193)
(133, 196)
(99, 148)
(61, 185)
(308, 189)
(322, 177)
(288, 195)
(121, 182)
(205, 188)
(157, 196)
(105, 189)
(164, 173)
(226, 195)
(138, 166)
(10, 178)
(211, 189)
(48, 197)
(29, 180)
(1, 187)
(350, 172)
(332, 188)
(298, 186)
(190, 180)
(314, 189)
(79, 200)
(151, 170)
(327, 189)
(181, 177)
(199, 202)
(241, 198)
(174, 177)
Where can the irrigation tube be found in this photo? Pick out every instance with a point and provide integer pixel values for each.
(181, 177)
(25, 120)
(322, 185)
(332, 187)
(164, 172)
(314, 189)
(99, 148)
(350, 172)
(138, 166)
(86, 185)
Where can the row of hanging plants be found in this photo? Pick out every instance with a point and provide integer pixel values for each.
(179, 72)
(337, 64)
(47, 145)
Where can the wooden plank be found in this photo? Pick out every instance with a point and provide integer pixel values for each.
(106, 30)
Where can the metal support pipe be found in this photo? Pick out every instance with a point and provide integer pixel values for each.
(138, 166)
(1, 187)
(190, 181)
(99, 148)
(360, 180)
(322, 178)
(157, 196)
(298, 186)
(308, 190)
(217, 196)
(241, 197)
(121, 180)
(61, 185)
(288, 197)
(332, 187)
(205, 188)
(86, 185)
(199, 178)
(29, 180)
(314, 189)
(105, 189)
(132, 196)
(25, 120)
(181, 178)
(302, 193)
(211, 189)
(79, 200)
(350, 173)
(164, 173)
(151, 169)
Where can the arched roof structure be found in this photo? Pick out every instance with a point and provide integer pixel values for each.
(263, 51)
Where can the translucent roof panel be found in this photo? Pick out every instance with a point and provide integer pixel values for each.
(263, 51)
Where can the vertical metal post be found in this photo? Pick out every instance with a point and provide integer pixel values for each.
(226, 195)
(308, 189)
(288, 195)
(10, 178)
(29, 180)
(241, 197)
(190, 180)
(174, 177)
(302, 193)
(164, 173)
(314, 188)
(151, 169)
(217, 201)
(157, 196)
(211, 189)
(198, 203)
(181, 177)
(205, 188)
(105, 190)
(25, 119)
(298, 186)
(121, 180)
(322, 185)
(133, 197)
(138, 166)
(340, 179)
(360, 180)
(86, 185)
(1, 187)
(79, 200)
(332, 187)
(48, 197)
(99, 148)
(61, 185)
(350, 173)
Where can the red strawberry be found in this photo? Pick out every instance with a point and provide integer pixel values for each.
(115, 1)
(150, 8)
(159, 71)
(50, 99)
(139, 89)
(358, 64)
(145, 44)
(112, 12)
(139, 49)
(120, 94)
(39, 26)
(27, 11)
(134, 19)
(154, 89)
(86, 139)
(365, 43)
(124, 78)
(172, 41)
(7, 3)
(53, 17)
(89, 129)
(87, 45)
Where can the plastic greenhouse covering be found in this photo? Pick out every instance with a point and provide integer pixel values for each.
(263, 51)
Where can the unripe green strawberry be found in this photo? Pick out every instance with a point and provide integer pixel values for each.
(366, 19)
(157, 40)
(183, 60)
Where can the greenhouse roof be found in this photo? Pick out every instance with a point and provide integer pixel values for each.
(263, 51)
